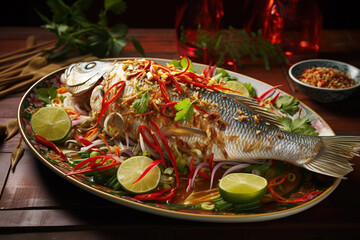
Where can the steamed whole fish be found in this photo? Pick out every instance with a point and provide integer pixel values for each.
(232, 128)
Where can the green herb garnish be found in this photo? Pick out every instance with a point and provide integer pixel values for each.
(298, 125)
(141, 104)
(75, 32)
(224, 75)
(251, 90)
(48, 94)
(182, 64)
(184, 109)
(287, 104)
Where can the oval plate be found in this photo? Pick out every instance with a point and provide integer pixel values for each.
(30, 103)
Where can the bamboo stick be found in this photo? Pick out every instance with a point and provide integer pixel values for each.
(27, 49)
(18, 65)
(18, 86)
(19, 56)
(12, 80)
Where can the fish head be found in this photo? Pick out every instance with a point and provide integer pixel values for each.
(80, 77)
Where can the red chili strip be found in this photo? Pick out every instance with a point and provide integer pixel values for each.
(200, 109)
(198, 84)
(191, 173)
(279, 180)
(49, 144)
(185, 70)
(104, 104)
(208, 71)
(155, 145)
(307, 196)
(176, 83)
(86, 143)
(163, 89)
(165, 106)
(211, 161)
(160, 195)
(261, 98)
(153, 164)
(275, 98)
(170, 152)
(93, 165)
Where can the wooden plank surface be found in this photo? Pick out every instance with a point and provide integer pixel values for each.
(35, 203)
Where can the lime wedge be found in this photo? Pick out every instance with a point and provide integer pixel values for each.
(52, 123)
(242, 187)
(236, 86)
(131, 169)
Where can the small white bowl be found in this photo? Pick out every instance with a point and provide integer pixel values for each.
(325, 94)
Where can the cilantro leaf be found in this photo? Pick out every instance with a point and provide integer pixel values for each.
(184, 109)
(251, 90)
(46, 95)
(298, 125)
(222, 73)
(141, 104)
(287, 104)
(182, 64)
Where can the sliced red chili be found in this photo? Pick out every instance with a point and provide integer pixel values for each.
(169, 151)
(200, 109)
(211, 161)
(160, 195)
(185, 70)
(105, 104)
(49, 144)
(279, 180)
(86, 143)
(155, 144)
(165, 106)
(93, 165)
(153, 164)
(275, 98)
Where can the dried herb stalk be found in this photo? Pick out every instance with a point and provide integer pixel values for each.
(16, 155)
(12, 128)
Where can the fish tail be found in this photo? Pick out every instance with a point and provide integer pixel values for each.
(334, 155)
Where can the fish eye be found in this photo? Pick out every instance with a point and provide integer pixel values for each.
(90, 66)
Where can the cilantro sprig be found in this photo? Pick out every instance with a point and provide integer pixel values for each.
(48, 94)
(182, 64)
(184, 109)
(300, 125)
(75, 32)
(141, 104)
(287, 104)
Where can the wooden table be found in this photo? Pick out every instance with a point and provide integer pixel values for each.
(35, 203)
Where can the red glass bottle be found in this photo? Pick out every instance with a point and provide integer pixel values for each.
(192, 14)
(294, 24)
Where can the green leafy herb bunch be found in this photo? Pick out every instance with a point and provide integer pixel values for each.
(75, 32)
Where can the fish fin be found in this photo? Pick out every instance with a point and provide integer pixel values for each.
(333, 158)
(251, 104)
(169, 131)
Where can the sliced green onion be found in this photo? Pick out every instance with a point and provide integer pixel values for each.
(221, 205)
(291, 177)
(207, 206)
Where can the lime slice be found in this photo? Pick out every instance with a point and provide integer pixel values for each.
(52, 123)
(131, 169)
(242, 187)
(236, 86)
